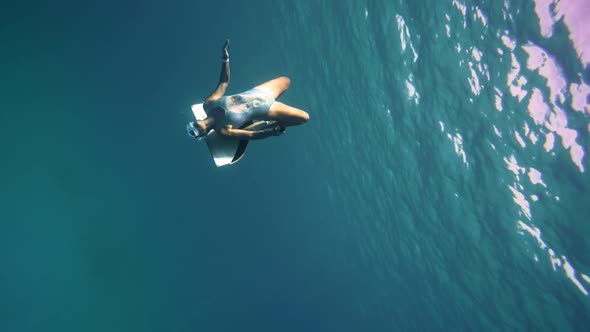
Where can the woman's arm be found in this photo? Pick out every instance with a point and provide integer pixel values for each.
(252, 135)
(261, 125)
(223, 77)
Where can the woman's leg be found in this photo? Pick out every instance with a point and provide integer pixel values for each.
(275, 87)
(286, 115)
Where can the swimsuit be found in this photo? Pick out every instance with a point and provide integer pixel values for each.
(250, 105)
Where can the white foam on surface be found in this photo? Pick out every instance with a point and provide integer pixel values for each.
(519, 139)
(479, 15)
(474, 81)
(571, 275)
(536, 177)
(574, 15)
(476, 54)
(580, 97)
(404, 33)
(521, 201)
(508, 42)
(555, 261)
(496, 131)
(533, 137)
(537, 108)
(411, 89)
(534, 232)
(549, 142)
(513, 166)
(457, 140)
(546, 20)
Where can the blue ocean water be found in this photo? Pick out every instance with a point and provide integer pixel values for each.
(441, 183)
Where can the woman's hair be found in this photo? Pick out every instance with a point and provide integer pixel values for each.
(206, 123)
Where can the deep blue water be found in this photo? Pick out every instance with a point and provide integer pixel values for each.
(436, 186)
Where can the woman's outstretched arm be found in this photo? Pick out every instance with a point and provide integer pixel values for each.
(223, 77)
(261, 125)
(252, 135)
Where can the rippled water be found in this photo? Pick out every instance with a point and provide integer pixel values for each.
(462, 130)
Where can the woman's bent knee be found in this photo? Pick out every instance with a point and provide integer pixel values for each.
(301, 118)
(304, 117)
(285, 82)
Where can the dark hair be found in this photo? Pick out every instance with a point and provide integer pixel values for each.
(206, 124)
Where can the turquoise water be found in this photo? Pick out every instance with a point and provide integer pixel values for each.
(441, 183)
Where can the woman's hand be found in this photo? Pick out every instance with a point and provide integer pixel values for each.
(225, 53)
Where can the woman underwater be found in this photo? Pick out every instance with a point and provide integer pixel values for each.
(226, 114)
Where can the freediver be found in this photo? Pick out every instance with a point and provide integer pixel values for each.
(226, 114)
